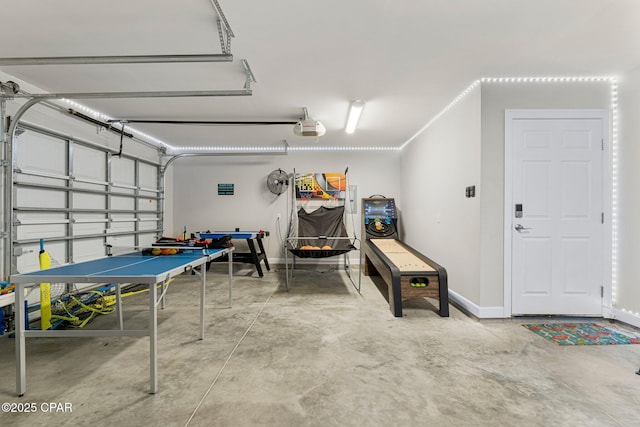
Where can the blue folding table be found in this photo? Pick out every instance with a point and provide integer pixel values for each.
(253, 256)
(134, 267)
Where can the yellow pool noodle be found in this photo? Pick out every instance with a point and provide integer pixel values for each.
(45, 293)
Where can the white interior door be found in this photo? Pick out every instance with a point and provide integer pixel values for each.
(557, 231)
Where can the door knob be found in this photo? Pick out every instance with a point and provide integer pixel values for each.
(519, 228)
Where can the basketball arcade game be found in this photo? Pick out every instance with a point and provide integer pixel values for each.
(407, 273)
(319, 203)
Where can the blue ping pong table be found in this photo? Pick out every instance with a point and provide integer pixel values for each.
(133, 267)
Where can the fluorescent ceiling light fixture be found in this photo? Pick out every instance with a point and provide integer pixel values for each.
(355, 110)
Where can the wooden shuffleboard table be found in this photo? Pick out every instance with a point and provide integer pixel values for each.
(407, 273)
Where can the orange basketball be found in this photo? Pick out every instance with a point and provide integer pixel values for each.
(165, 251)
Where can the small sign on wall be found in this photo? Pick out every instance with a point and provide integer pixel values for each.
(225, 189)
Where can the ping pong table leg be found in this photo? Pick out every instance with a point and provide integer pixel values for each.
(153, 338)
(119, 306)
(203, 275)
(21, 362)
(162, 294)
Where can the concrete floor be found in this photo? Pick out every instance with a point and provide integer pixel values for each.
(320, 355)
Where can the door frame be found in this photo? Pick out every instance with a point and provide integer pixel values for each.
(607, 178)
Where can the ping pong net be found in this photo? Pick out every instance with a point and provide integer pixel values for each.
(167, 246)
(209, 243)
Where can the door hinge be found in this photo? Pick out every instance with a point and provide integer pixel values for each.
(602, 144)
(601, 291)
(602, 218)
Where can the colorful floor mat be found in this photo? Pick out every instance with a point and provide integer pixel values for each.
(580, 334)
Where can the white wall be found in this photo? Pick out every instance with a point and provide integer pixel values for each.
(628, 288)
(435, 216)
(196, 203)
(465, 146)
(496, 98)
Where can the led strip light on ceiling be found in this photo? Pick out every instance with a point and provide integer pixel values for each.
(476, 83)
(569, 79)
(103, 117)
(266, 149)
(457, 99)
(443, 111)
(343, 148)
(232, 149)
(613, 82)
(215, 149)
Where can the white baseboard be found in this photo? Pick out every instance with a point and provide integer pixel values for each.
(627, 317)
(474, 309)
(498, 312)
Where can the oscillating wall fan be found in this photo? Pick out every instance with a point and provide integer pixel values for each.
(277, 181)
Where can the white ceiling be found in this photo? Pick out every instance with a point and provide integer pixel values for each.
(405, 59)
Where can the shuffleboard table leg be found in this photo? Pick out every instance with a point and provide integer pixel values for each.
(395, 297)
(444, 292)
